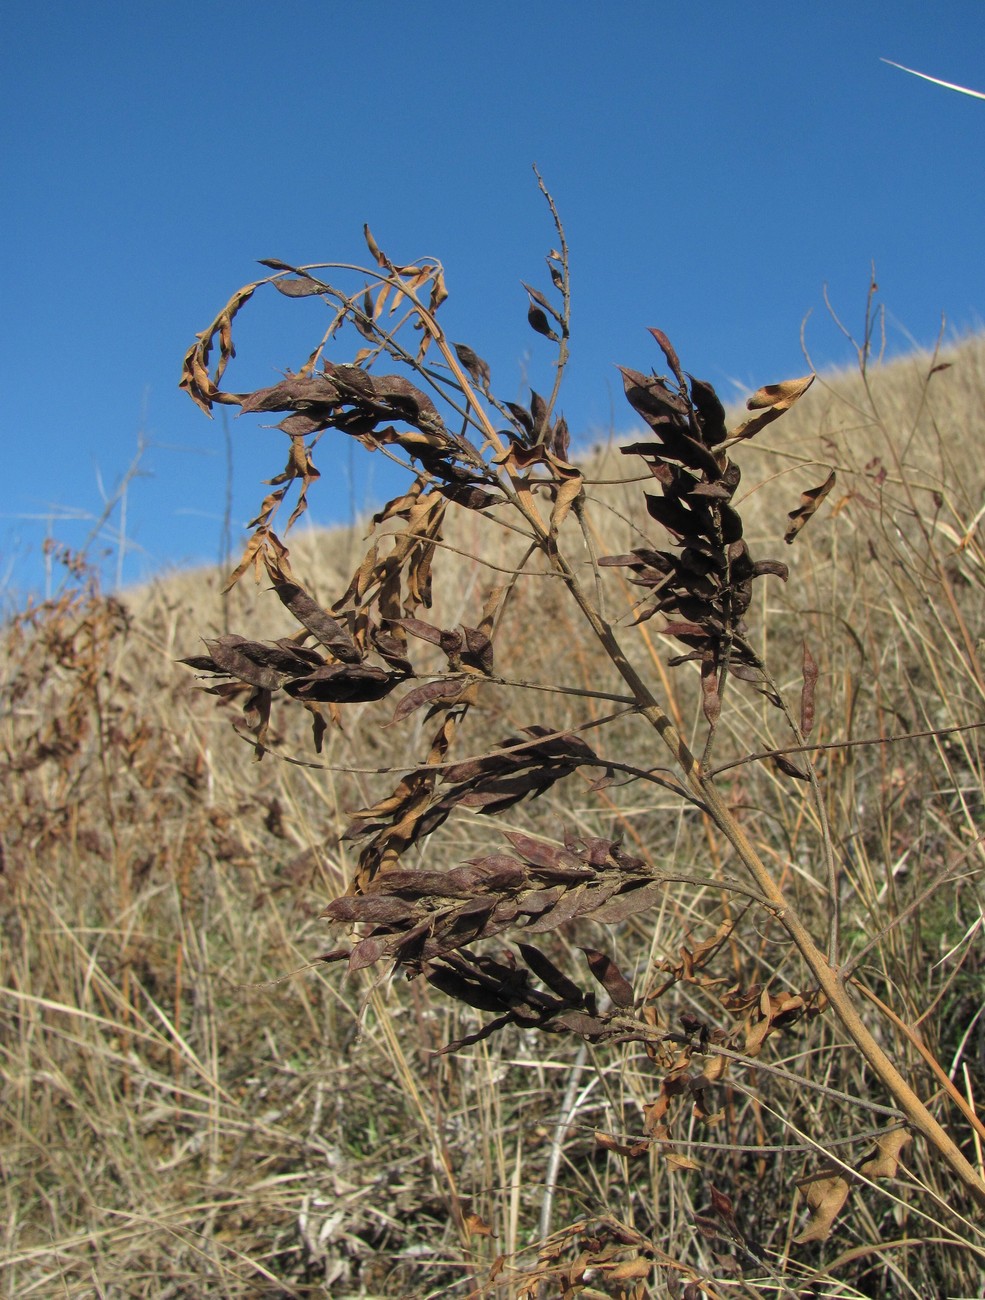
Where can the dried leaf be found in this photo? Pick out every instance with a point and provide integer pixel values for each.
(610, 977)
(789, 769)
(673, 1161)
(825, 1194)
(478, 369)
(776, 398)
(883, 1163)
(630, 1270)
(477, 1227)
(299, 287)
(374, 249)
(779, 396)
(667, 348)
(546, 971)
(568, 492)
(630, 1149)
(810, 672)
(809, 502)
(310, 614)
(540, 324)
(433, 694)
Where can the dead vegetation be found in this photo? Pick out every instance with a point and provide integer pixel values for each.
(694, 953)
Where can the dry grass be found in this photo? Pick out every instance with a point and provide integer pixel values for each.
(191, 1107)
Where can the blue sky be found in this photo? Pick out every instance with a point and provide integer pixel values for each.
(716, 165)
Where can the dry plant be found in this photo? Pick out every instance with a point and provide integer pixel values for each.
(466, 929)
(621, 1064)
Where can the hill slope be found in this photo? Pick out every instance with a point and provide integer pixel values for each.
(192, 1104)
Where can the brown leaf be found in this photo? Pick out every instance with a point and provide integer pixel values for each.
(667, 348)
(546, 971)
(377, 910)
(776, 398)
(374, 249)
(539, 298)
(630, 1149)
(711, 700)
(789, 769)
(673, 1161)
(580, 1022)
(332, 635)
(610, 977)
(478, 369)
(229, 653)
(540, 324)
(809, 502)
(779, 396)
(477, 1227)
(345, 683)
(809, 671)
(432, 694)
(299, 287)
(568, 492)
(629, 1270)
(884, 1161)
(825, 1194)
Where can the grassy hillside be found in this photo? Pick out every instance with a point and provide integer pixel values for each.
(192, 1104)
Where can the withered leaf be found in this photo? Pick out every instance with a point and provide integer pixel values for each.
(674, 1161)
(231, 654)
(467, 495)
(486, 1031)
(431, 694)
(345, 683)
(789, 769)
(631, 1149)
(711, 413)
(667, 348)
(522, 416)
(809, 502)
(538, 412)
(810, 672)
(364, 907)
(610, 977)
(495, 874)
(884, 1161)
(568, 492)
(825, 1193)
(541, 853)
(555, 980)
(539, 298)
(374, 248)
(477, 1227)
(630, 1270)
(300, 287)
(331, 634)
(650, 396)
(295, 393)
(776, 399)
(463, 990)
(629, 902)
(779, 396)
(478, 369)
(366, 952)
(580, 1022)
(540, 324)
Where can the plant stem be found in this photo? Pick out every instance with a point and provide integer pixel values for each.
(829, 979)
